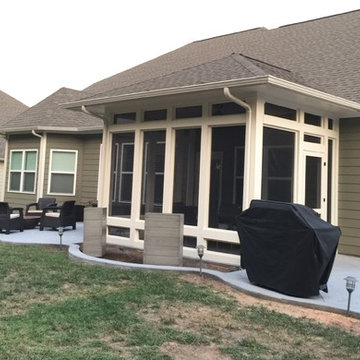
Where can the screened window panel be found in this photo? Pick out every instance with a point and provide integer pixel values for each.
(62, 183)
(15, 179)
(63, 161)
(128, 157)
(126, 187)
(16, 160)
(29, 182)
(30, 160)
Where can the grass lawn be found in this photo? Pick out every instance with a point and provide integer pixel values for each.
(54, 308)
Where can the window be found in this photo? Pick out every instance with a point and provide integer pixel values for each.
(226, 177)
(312, 119)
(155, 115)
(229, 108)
(153, 172)
(278, 165)
(62, 174)
(280, 111)
(186, 179)
(125, 118)
(22, 170)
(188, 112)
(122, 174)
(312, 139)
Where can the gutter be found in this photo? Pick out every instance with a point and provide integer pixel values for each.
(248, 133)
(254, 81)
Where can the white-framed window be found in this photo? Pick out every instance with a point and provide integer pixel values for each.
(62, 172)
(22, 171)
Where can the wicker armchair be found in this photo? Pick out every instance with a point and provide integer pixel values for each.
(55, 217)
(11, 218)
(35, 209)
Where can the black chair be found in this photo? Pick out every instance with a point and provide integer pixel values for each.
(35, 209)
(11, 218)
(62, 216)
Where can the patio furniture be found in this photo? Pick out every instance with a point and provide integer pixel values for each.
(55, 217)
(31, 221)
(36, 209)
(11, 218)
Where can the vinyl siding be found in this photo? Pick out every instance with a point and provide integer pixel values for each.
(90, 169)
(349, 186)
(88, 147)
(21, 142)
(2, 184)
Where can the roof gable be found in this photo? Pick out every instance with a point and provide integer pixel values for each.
(48, 113)
(323, 51)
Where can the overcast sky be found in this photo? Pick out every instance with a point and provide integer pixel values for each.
(48, 44)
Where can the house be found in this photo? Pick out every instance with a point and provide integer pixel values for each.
(9, 108)
(52, 152)
(204, 129)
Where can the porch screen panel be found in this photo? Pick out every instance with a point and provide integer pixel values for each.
(226, 178)
(122, 174)
(278, 165)
(153, 172)
(186, 178)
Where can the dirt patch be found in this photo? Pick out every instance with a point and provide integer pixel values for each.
(325, 317)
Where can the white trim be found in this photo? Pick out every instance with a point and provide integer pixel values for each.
(22, 171)
(74, 173)
(260, 80)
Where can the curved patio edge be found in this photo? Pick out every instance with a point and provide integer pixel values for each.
(335, 301)
(236, 279)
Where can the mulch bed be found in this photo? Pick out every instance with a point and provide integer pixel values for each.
(118, 253)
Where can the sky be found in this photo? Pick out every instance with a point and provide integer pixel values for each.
(49, 44)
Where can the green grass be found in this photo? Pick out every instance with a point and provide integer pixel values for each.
(54, 308)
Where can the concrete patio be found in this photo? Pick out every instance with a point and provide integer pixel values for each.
(335, 300)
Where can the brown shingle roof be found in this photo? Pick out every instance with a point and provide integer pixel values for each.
(234, 66)
(48, 113)
(9, 108)
(323, 51)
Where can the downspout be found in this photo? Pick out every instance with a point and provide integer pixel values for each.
(5, 169)
(102, 163)
(41, 168)
(247, 160)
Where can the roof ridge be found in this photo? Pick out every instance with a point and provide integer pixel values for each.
(244, 61)
(317, 19)
(265, 63)
(230, 34)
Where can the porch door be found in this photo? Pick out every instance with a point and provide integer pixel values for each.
(315, 182)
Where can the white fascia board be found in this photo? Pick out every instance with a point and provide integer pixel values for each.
(320, 95)
(168, 91)
(254, 81)
(52, 129)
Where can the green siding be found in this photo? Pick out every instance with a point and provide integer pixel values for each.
(349, 186)
(20, 142)
(88, 147)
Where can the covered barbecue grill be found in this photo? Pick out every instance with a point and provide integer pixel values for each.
(287, 247)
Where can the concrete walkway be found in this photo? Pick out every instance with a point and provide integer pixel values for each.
(335, 300)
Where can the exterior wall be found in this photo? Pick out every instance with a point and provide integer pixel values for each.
(21, 142)
(2, 183)
(88, 147)
(349, 186)
(90, 169)
(128, 231)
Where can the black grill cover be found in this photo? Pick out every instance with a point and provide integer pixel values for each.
(287, 247)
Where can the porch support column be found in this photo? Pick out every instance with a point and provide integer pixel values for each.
(253, 153)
